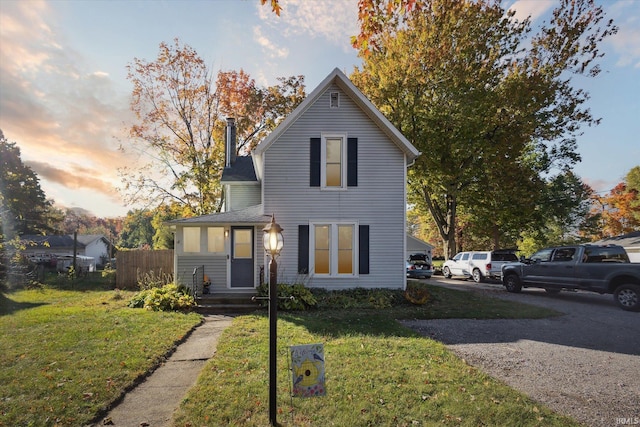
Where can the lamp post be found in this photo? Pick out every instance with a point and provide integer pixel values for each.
(273, 243)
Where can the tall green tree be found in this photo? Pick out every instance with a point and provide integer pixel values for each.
(491, 106)
(562, 214)
(163, 235)
(137, 231)
(632, 181)
(24, 208)
(181, 113)
(632, 178)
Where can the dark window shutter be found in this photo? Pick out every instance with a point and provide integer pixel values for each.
(364, 249)
(303, 249)
(314, 165)
(352, 162)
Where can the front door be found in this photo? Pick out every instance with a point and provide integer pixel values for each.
(242, 262)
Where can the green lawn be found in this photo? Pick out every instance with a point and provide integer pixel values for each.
(379, 373)
(67, 354)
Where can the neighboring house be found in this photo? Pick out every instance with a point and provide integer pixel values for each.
(417, 246)
(334, 174)
(89, 249)
(96, 246)
(630, 242)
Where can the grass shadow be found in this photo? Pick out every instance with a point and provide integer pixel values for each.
(358, 317)
(9, 306)
(336, 323)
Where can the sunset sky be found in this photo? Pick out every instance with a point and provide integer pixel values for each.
(64, 96)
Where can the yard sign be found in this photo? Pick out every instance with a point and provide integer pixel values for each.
(307, 370)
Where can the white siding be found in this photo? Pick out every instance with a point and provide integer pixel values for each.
(377, 201)
(97, 249)
(216, 266)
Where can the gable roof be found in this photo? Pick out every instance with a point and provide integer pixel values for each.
(35, 240)
(338, 78)
(87, 239)
(415, 244)
(626, 240)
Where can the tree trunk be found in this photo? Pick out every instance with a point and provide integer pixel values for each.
(445, 220)
(496, 237)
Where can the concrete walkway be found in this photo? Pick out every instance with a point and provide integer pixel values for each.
(153, 401)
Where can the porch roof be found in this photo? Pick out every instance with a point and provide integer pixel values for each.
(250, 215)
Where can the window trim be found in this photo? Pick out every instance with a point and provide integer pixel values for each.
(333, 249)
(344, 159)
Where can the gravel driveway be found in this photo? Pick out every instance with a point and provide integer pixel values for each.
(585, 363)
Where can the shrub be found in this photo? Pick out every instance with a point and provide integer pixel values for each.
(166, 298)
(290, 297)
(358, 298)
(417, 296)
(152, 279)
(109, 274)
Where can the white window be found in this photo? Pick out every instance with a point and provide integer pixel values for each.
(334, 100)
(215, 239)
(191, 239)
(333, 155)
(333, 249)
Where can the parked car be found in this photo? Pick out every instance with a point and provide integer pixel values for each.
(418, 267)
(479, 265)
(598, 268)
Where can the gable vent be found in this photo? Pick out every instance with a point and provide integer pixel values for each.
(334, 100)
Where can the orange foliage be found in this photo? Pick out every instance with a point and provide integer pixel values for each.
(619, 211)
(275, 6)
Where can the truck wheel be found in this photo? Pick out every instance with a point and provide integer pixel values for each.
(628, 297)
(446, 273)
(477, 276)
(512, 283)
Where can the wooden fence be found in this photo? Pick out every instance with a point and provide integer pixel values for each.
(131, 264)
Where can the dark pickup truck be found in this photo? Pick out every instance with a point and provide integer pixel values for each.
(602, 269)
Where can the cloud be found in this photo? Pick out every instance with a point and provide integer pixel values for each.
(271, 48)
(75, 177)
(626, 43)
(533, 8)
(60, 111)
(333, 20)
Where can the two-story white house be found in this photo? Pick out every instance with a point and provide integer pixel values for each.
(334, 174)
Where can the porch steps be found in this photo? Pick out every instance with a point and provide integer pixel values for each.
(226, 304)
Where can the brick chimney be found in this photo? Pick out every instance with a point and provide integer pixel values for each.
(230, 142)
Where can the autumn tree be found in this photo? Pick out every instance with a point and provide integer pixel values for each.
(632, 181)
(181, 112)
(491, 106)
(84, 222)
(617, 212)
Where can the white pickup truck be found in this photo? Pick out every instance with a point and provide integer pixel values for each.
(599, 268)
